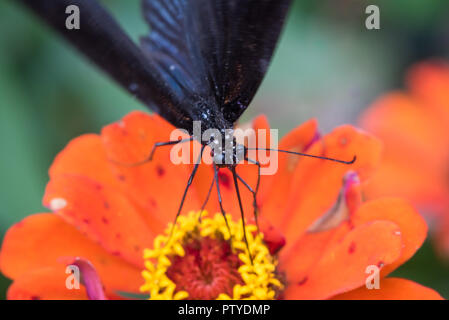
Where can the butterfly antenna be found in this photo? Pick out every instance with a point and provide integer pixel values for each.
(234, 176)
(308, 155)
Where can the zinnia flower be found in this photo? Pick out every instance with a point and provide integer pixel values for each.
(413, 126)
(318, 236)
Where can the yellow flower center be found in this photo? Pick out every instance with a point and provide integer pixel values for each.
(201, 260)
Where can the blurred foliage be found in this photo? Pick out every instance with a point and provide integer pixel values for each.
(327, 66)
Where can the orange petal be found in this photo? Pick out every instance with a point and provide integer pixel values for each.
(412, 226)
(349, 200)
(202, 183)
(84, 155)
(272, 237)
(429, 82)
(248, 172)
(392, 289)
(416, 151)
(276, 189)
(408, 129)
(410, 180)
(44, 284)
(309, 249)
(342, 266)
(329, 229)
(100, 212)
(317, 183)
(156, 186)
(43, 240)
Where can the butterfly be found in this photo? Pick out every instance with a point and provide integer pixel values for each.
(203, 60)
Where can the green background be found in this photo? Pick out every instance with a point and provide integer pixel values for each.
(327, 66)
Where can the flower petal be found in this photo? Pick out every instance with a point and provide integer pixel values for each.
(429, 82)
(407, 126)
(85, 156)
(309, 249)
(272, 237)
(43, 240)
(416, 151)
(343, 264)
(100, 212)
(47, 283)
(328, 229)
(392, 289)
(412, 226)
(349, 200)
(274, 191)
(317, 183)
(158, 185)
(404, 178)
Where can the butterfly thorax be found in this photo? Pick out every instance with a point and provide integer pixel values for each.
(225, 151)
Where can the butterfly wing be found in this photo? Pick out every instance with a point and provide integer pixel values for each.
(203, 59)
(103, 41)
(218, 50)
(239, 46)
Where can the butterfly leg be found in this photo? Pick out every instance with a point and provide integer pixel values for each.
(223, 213)
(257, 163)
(189, 183)
(234, 176)
(254, 193)
(207, 198)
(167, 143)
(150, 157)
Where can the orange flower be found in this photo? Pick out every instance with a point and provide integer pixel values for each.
(318, 235)
(414, 128)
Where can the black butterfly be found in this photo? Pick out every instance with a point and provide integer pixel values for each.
(202, 61)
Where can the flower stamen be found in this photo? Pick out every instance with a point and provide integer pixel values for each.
(201, 260)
